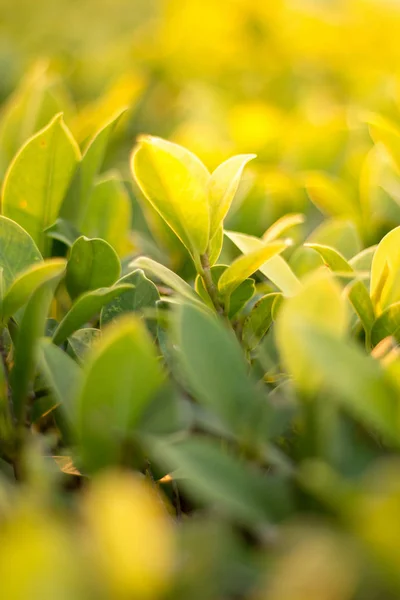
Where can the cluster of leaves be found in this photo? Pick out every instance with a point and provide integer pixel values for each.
(229, 433)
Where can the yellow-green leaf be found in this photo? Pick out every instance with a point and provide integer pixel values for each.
(38, 178)
(175, 182)
(332, 258)
(319, 304)
(222, 188)
(276, 269)
(387, 253)
(28, 281)
(282, 225)
(246, 265)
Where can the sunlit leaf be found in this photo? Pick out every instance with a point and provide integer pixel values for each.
(175, 182)
(282, 226)
(109, 214)
(76, 201)
(276, 269)
(246, 265)
(37, 179)
(386, 257)
(222, 187)
(27, 282)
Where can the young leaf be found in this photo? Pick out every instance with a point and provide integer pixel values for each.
(332, 258)
(239, 297)
(222, 187)
(61, 373)
(175, 182)
(92, 264)
(282, 226)
(388, 323)
(76, 201)
(363, 260)
(259, 320)
(121, 376)
(84, 308)
(167, 276)
(246, 265)
(18, 251)
(320, 304)
(37, 179)
(387, 253)
(27, 282)
(219, 478)
(276, 269)
(109, 214)
(144, 294)
(215, 246)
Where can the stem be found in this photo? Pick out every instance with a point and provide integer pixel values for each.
(209, 283)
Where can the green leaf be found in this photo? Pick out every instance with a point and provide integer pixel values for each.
(214, 365)
(388, 323)
(361, 301)
(84, 308)
(92, 264)
(259, 320)
(63, 231)
(121, 376)
(222, 187)
(282, 226)
(175, 182)
(167, 276)
(361, 387)
(109, 214)
(332, 258)
(82, 341)
(27, 282)
(276, 269)
(77, 198)
(18, 251)
(31, 329)
(61, 373)
(320, 304)
(330, 196)
(387, 253)
(143, 295)
(216, 476)
(246, 265)
(240, 296)
(38, 178)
